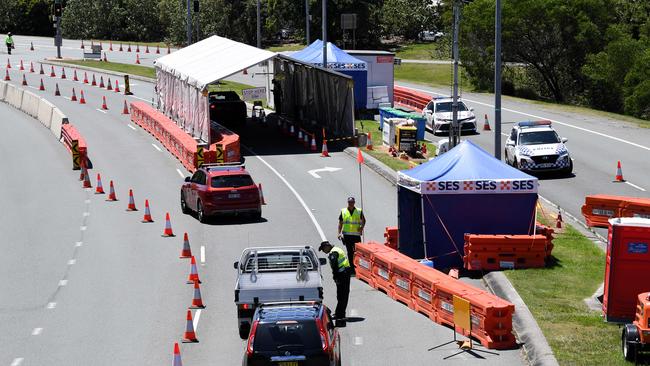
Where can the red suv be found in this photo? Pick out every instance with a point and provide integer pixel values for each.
(293, 334)
(221, 189)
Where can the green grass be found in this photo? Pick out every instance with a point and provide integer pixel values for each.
(287, 47)
(115, 66)
(229, 85)
(422, 51)
(554, 295)
(430, 74)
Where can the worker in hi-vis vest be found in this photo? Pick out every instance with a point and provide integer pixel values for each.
(9, 41)
(351, 223)
(341, 273)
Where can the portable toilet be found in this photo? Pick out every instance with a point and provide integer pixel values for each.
(627, 267)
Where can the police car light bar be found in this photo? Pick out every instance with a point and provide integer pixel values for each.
(534, 123)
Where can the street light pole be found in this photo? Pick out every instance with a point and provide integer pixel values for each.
(259, 24)
(325, 34)
(58, 40)
(189, 22)
(453, 135)
(497, 81)
(307, 19)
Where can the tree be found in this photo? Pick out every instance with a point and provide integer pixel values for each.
(406, 18)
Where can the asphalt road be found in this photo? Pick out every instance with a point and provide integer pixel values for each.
(125, 297)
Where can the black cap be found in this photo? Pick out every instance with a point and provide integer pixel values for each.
(324, 244)
(350, 199)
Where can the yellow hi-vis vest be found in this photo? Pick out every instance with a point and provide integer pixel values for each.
(343, 261)
(351, 222)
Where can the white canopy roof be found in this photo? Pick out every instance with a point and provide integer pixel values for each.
(211, 60)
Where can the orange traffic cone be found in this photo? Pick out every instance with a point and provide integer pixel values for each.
(100, 187)
(105, 57)
(261, 194)
(82, 100)
(158, 49)
(125, 110)
(121, 49)
(619, 174)
(197, 302)
(110, 45)
(52, 74)
(101, 46)
(117, 86)
(73, 98)
(146, 50)
(189, 336)
(31, 46)
(108, 85)
(104, 106)
(8, 64)
(63, 73)
(177, 354)
(42, 86)
(101, 82)
(31, 67)
(137, 58)
(168, 227)
(86, 178)
(74, 75)
(313, 144)
(324, 152)
(22, 67)
(245, 72)
(42, 72)
(111, 192)
(82, 44)
(486, 124)
(194, 273)
(129, 49)
(369, 143)
(57, 93)
(131, 205)
(85, 77)
(7, 78)
(168, 50)
(187, 251)
(147, 213)
(94, 82)
(558, 222)
(24, 80)
(137, 48)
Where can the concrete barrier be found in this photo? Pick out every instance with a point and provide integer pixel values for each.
(58, 119)
(14, 96)
(3, 90)
(44, 114)
(30, 103)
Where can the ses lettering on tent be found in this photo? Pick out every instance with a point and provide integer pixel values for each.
(482, 186)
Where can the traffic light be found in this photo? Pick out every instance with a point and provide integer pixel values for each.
(58, 8)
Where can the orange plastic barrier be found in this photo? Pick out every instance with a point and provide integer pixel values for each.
(182, 145)
(410, 98)
(431, 293)
(392, 236)
(599, 208)
(636, 207)
(494, 252)
(363, 256)
(75, 143)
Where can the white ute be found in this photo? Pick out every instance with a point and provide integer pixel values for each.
(275, 274)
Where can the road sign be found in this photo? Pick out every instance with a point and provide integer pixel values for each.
(254, 93)
(75, 155)
(461, 313)
(199, 156)
(219, 153)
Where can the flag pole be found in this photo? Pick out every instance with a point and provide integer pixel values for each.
(360, 161)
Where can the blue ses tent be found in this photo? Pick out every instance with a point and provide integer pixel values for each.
(465, 190)
(338, 60)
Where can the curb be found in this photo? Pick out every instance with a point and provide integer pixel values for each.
(103, 71)
(536, 349)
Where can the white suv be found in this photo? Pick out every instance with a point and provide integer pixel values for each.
(535, 146)
(438, 114)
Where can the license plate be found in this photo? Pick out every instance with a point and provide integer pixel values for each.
(292, 363)
(545, 165)
(234, 195)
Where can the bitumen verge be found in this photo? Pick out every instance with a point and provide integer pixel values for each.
(536, 349)
(97, 70)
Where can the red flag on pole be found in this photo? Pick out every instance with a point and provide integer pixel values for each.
(359, 156)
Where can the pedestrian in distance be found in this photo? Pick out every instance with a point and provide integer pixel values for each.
(351, 223)
(341, 273)
(9, 41)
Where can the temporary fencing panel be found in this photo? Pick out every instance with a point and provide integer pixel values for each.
(432, 294)
(494, 252)
(627, 267)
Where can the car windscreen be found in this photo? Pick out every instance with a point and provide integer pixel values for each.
(231, 181)
(287, 335)
(538, 138)
(447, 107)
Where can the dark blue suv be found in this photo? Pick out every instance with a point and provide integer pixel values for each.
(293, 334)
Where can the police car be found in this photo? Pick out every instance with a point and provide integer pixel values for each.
(534, 146)
(438, 115)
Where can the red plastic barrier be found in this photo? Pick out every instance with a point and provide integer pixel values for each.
(636, 207)
(410, 98)
(392, 237)
(432, 295)
(75, 143)
(599, 208)
(495, 252)
(182, 145)
(363, 261)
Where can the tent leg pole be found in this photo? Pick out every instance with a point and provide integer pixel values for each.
(424, 235)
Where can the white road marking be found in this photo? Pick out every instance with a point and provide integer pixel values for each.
(358, 341)
(67, 98)
(302, 202)
(354, 312)
(78, 244)
(33, 87)
(83, 228)
(552, 120)
(63, 283)
(203, 255)
(195, 320)
(86, 214)
(635, 186)
(17, 361)
(156, 146)
(330, 169)
(37, 331)
(100, 110)
(87, 201)
(72, 261)
(51, 305)
(146, 100)
(180, 173)
(131, 127)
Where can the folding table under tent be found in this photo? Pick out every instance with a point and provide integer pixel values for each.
(341, 61)
(465, 190)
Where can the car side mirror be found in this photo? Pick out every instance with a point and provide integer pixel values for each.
(427, 111)
(510, 143)
(236, 265)
(322, 261)
(471, 109)
(187, 179)
(564, 140)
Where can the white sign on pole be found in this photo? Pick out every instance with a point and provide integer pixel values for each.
(254, 93)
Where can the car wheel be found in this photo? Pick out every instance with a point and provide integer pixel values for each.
(184, 207)
(514, 164)
(569, 170)
(257, 215)
(199, 212)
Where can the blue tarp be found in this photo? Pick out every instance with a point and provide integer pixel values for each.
(338, 60)
(465, 190)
